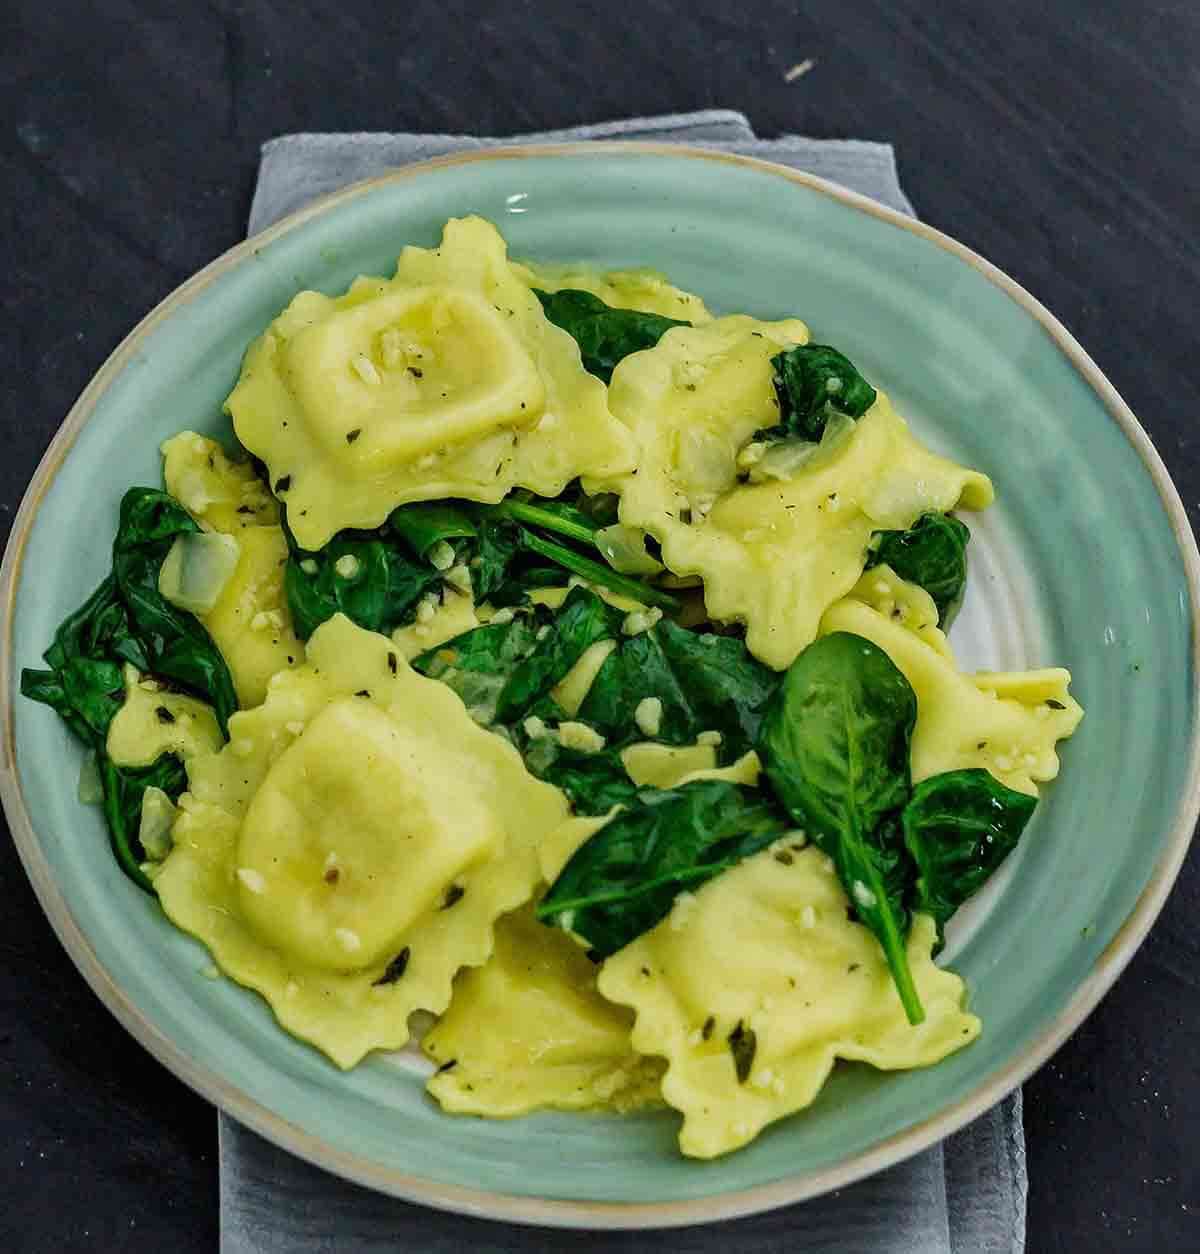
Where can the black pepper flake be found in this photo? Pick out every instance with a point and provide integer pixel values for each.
(351, 436)
(854, 966)
(743, 1045)
(164, 715)
(447, 1066)
(454, 894)
(645, 970)
(332, 875)
(282, 484)
(212, 465)
(291, 660)
(981, 745)
(363, 692)
(396, 968)
(707, 1030)
(782, 856)
(393, 663)
(1055, 705)
(416, 372)
(245, 509)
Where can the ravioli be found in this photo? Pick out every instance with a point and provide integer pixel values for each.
(645, 290)
(354, 777)
(221, 494)
(529, 1030)
(772, 555)
(250, 622)
(153, 721)
(1008, 723)
(454, 616)
(446, 380)
(754, 985)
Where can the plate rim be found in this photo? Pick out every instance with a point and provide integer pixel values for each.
(555, 1212)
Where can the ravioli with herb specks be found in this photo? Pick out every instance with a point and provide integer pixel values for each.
(552, 655)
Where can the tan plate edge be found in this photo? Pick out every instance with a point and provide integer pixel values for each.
(551, 1212)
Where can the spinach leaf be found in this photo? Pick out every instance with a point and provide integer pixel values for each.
(959, 827)
(593, 782)
(932, 553)
(835, 747)
(624, 879)
(705, 683)
(583, 620)
(551, 515)
(499, 544)
(423, 524)
(605, 335)
(375, 584)
(377, 578)
(502, 671)
(810, 381)
(124, 788)
(599, 572)
(174, 643)
(126, 620)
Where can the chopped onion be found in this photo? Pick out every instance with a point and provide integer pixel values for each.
(158, 817)
(90, 790)
(624, 549)
(784, 458)
(197, 568)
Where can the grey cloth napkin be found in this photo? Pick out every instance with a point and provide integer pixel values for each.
(965, 1196)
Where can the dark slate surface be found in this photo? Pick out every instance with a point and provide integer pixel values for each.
(1060, 139)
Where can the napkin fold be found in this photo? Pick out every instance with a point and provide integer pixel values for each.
(964, 1196)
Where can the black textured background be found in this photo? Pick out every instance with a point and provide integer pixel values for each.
(1061, 138)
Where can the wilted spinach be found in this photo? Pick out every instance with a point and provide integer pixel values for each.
(835, 747)
(175, 644)
(705, 683)
(126, 620)
(959, 827)
(378, 578)
(811, 380)
(423, 524)
(503, 671)
(604, 334)
(593, 782)
(931, 553)
(376, 584)
(624, 879)
(124, 787)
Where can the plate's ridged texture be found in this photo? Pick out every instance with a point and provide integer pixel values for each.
(1085, 563)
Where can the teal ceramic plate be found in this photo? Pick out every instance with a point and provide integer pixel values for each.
(1086, 561)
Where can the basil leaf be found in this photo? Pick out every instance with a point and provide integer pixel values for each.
(624, 879)
(959, 827)
(931, 553)
(835, 747)
(605, 335)
(705, 683)
(810, 381)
